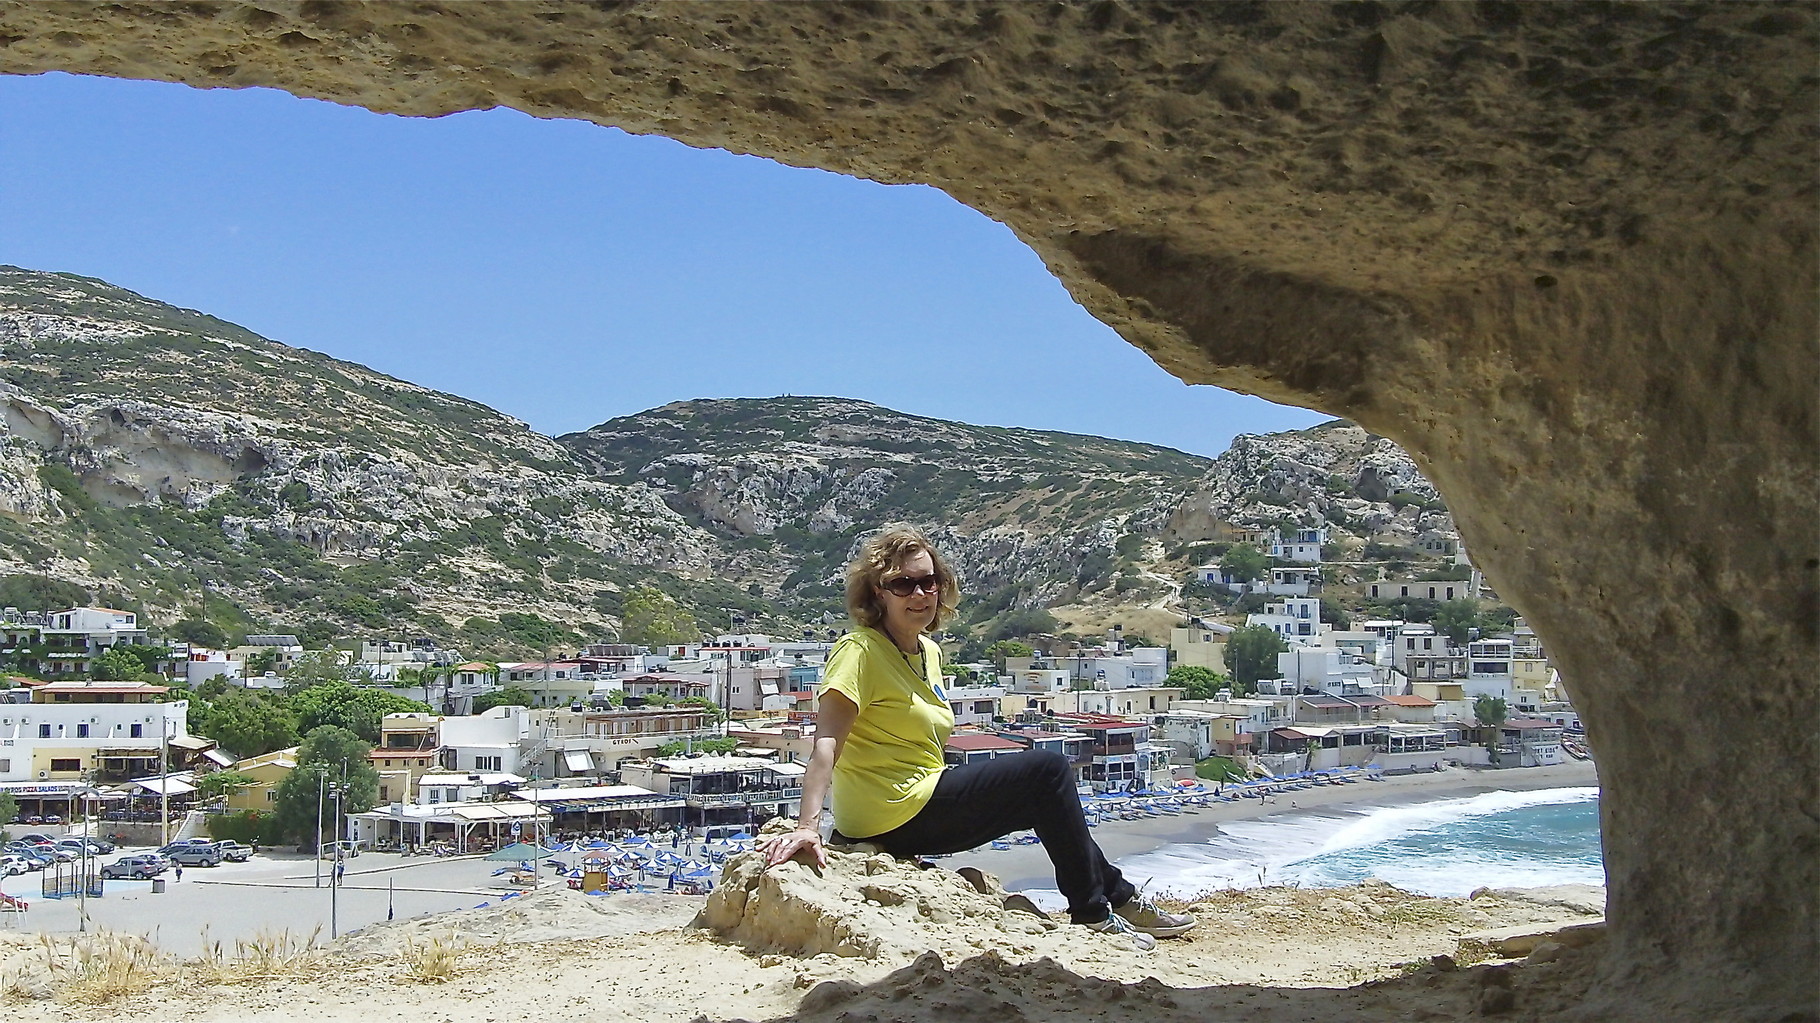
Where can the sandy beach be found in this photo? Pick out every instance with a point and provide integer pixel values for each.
(1027, 866)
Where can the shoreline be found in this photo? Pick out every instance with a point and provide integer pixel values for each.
(1028, 866)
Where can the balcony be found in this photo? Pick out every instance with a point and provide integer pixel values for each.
(711, 800)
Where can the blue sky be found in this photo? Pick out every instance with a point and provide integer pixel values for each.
(566, 273)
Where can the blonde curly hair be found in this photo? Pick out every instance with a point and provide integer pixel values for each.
(882, 554)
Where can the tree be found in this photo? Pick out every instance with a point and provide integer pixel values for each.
(9, 808)
(679, 747)
(702, 701)
(223, 783)
(651, 617)
(330, 757)
(1335, 615)
(259, 663)
(1006, 649)
(1251, 653)
(1244, 562)
(358, 709)
(1492, 712)
(319, 667)
(116, 665)
(1200, 683)
(510, 696)
(243, 722)
(200, 632)
(1455, 617)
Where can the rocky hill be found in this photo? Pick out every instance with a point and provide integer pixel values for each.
(166, 458)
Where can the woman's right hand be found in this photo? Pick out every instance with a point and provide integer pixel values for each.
(779, 848)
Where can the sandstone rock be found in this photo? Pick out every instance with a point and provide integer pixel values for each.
(1564, 254)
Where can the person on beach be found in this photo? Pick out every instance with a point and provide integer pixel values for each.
(881, 724)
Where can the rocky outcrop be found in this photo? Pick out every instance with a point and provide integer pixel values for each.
(1565, 254)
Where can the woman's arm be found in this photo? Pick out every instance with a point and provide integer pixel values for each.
(833, 720)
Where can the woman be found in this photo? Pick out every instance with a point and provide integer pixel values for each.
(880, 728)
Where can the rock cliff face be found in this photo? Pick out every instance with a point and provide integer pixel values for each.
(1564, 253)
(114, 407)
(116, 403)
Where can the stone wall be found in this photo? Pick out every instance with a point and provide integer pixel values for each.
(1563, 253)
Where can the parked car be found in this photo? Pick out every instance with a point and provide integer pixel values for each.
(35, 858)
(234, 852)
(35, 838)
(133, 866)
(96, 846)
(51, 818)
(10, 865)
(192, 854)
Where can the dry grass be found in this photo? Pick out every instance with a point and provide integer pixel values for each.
(100, 968)
(266, 956)
(433, 961)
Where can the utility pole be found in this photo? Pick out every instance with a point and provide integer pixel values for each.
(321, 776)
(335, 880)
(164, 780)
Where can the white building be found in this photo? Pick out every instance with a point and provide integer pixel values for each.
(1301, 545)
(1488, 670)
(1326, 668)
(1444, 589)
(1103, 670)
(75, 734)
(1296, 619)
(974, 705)
(75, 638)
(1130, 701)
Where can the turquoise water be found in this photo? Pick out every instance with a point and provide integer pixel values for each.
(1445, 847)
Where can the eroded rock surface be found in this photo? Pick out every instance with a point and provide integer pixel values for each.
(1564, 253)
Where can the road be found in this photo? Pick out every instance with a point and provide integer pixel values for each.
(268, 894)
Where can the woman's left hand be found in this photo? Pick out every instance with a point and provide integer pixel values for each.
(779, 848)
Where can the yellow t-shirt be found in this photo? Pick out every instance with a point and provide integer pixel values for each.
(893, 756)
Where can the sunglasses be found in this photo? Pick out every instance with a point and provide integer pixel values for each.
(904, 586)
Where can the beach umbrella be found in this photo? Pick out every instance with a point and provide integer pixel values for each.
(618, 872)
(739, 836)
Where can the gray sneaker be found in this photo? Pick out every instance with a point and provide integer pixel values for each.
(1117, 925)
(1144, 917)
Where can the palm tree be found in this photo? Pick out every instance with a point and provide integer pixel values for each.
(1492, 712)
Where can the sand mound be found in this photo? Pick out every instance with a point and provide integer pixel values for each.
(554, 914)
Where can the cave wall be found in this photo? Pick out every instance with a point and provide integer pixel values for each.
(1563, 253)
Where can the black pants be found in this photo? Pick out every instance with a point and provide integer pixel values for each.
(978, 802)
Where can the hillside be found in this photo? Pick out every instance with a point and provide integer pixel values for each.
(161, 458)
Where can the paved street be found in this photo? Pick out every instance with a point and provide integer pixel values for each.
(267, 894)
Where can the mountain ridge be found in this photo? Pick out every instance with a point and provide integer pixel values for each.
(156, 453)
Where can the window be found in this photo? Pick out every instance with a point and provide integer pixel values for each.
(66, 764)
(138, 731)
(487, 763)
(271, 795)
(5, 766)
(385, 793)
(44, 731)
(1428, 644)
(82, 730)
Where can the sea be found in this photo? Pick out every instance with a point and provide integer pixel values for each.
(1446, 847)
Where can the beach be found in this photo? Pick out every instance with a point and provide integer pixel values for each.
(1027, 866)
(868, 937)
